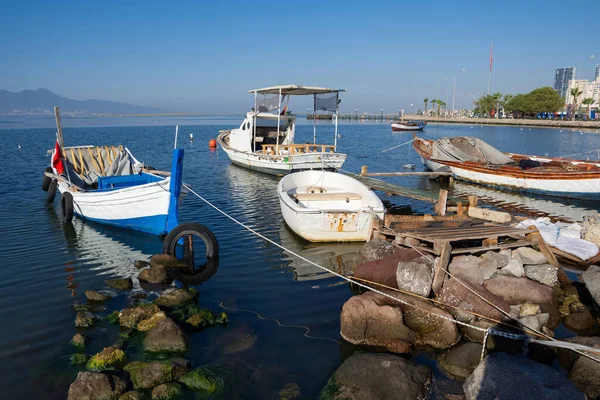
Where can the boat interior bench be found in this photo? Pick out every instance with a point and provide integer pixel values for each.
(117, 182)
(326, 196)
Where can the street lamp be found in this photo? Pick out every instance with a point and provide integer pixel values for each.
(356, 113)
(382, 114)
(454, 92)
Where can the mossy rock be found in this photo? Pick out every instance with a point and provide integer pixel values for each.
(202, 318)
(85, 319)
(202, 380)
(80, 307)
(331, 390)
(146, 375)
(109, 358)
(221, 318)
(78, 358)
(149, 323)
(127, 333)
(131, 316)
(177, 297)
(79, 340)
(132, 395)
(167, 391)
(112, 318)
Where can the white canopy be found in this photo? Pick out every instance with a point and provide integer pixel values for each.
(296, 90)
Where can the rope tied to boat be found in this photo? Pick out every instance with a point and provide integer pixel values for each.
(400, 145)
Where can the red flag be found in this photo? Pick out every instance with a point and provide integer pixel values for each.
(490, 57)
(57, 159)
(284, 110)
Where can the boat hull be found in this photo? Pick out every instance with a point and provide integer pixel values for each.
(403, 127)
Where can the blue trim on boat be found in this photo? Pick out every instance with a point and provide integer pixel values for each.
(123, 181)
(175, 188)
(155, 224)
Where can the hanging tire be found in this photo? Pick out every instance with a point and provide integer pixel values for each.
(51, 191)
(47, 180)
(66, 207)
(191, 228)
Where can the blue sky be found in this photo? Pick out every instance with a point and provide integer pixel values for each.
(203, 56)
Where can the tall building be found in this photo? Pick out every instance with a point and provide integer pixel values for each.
(597, 74)
(562, 78)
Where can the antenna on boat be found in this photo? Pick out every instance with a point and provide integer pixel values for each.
(176, 132)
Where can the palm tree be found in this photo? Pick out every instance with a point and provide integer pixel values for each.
(425, 100)
(588, 101)
(442, 104)
(575, 92)
(433, 102)
(497, 96)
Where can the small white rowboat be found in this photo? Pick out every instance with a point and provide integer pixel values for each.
(323, 206)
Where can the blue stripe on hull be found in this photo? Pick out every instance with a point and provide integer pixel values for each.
(155, 224)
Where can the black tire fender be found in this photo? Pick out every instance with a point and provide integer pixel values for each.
(47, 180)
(51, 191)
(66, 207)
(191, 228)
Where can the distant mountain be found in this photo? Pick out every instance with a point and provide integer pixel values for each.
(42, 101)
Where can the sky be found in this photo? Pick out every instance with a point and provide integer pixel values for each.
(202, 56)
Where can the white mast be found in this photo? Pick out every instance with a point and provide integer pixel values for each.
(278, 122)
(254, 124)
(336, 122)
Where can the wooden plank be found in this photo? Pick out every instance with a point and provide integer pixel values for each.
(550, 257)
(472, 201)
(100, 160)
(480, 249)
(444, 249)
(490, 215)
(452, 238)
(441, 203)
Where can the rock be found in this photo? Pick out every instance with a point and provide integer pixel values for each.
(78, 340)
(522, 290)
(415, 276)
(590, 230)
(166, 336)
(139, 264)
(154, 275)
(467, 268)
(166, 261)
(583, 372)
(109, 358)
(166, 391)
(535, 322)
(120, 283)
(488, 269)
(528, 309)
(176, 297)
(494, 342)
(96, 386)
(582, 323)
(78, 358)
(132, 395)
(202, 380)
(149, 323)
(546, 274)
(146, 375)
(591, 278)
(113, 317)
(92, 295)
(499, 258)
(457, 295)
(460, 361)
(377, 376)
(131, 316)
(85, 319)
(291, 391)
(384, 270)
(529, 256)
(375, 250)
(502, 376)
(513, 268)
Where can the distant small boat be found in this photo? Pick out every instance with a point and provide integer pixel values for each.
(323, 206)
(412, 125)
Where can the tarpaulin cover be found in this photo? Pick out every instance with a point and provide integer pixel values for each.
(467, 148)
(99, 163)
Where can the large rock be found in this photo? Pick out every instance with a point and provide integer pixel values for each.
(591, 229)
(78, 340)
(460, 361)
(154, 275)
(120, 283)
(513, 268)
(376, 376)
(132, 395)
(131, 316)
(167, 261)
(466, 268)
(85, 319)
(109, 358)
(583, 372)
(92, 295)
(415, 276)
(176, 297)
(535, 322)
(149, 323)
(376, 320)
(522, 290)
(167, 391)
(202, 380)
(488, 269)
(582, 323)
(501, 376)
(546, 274)
(146, 375)
(384, 270)
(529, 256)
(457, 295)
(499, 258)
(96, 386)
(591, 278)
(166, 336)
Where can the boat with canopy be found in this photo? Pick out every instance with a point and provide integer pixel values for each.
(265, 141)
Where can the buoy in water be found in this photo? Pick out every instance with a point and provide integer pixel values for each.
(191, 136)
(212, 143)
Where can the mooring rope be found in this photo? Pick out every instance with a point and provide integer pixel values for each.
(403, 144)
(553, 342)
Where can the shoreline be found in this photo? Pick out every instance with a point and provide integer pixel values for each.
(510, 122)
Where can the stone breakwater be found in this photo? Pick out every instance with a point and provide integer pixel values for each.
(512, 122)
(521, 285)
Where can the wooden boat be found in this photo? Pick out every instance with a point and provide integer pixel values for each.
(473, 160)
(323, 206)
(265, 140)
(412, 125)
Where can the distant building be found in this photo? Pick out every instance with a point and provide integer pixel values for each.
(597, 74)
(562, 78)
(589, 89)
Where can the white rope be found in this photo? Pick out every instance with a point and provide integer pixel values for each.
(485, 339)
(403, 144)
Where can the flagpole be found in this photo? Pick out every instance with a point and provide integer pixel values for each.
(490, 72)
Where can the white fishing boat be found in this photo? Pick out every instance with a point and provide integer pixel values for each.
(323, 206)
(412, 125)
(265, 140)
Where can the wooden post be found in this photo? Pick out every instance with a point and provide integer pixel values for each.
(363, 170)
(442, 200)
(472, 201)
(61, 143)
(444, 249)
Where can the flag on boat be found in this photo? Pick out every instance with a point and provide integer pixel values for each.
(57, 163)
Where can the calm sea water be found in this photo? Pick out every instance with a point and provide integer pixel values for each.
(47, 267)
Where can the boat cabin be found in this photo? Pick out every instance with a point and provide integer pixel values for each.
(265, 135)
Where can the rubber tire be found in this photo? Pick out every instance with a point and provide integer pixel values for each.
(52, 191)
(47, 180)
(191, 228)
(66, 207)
